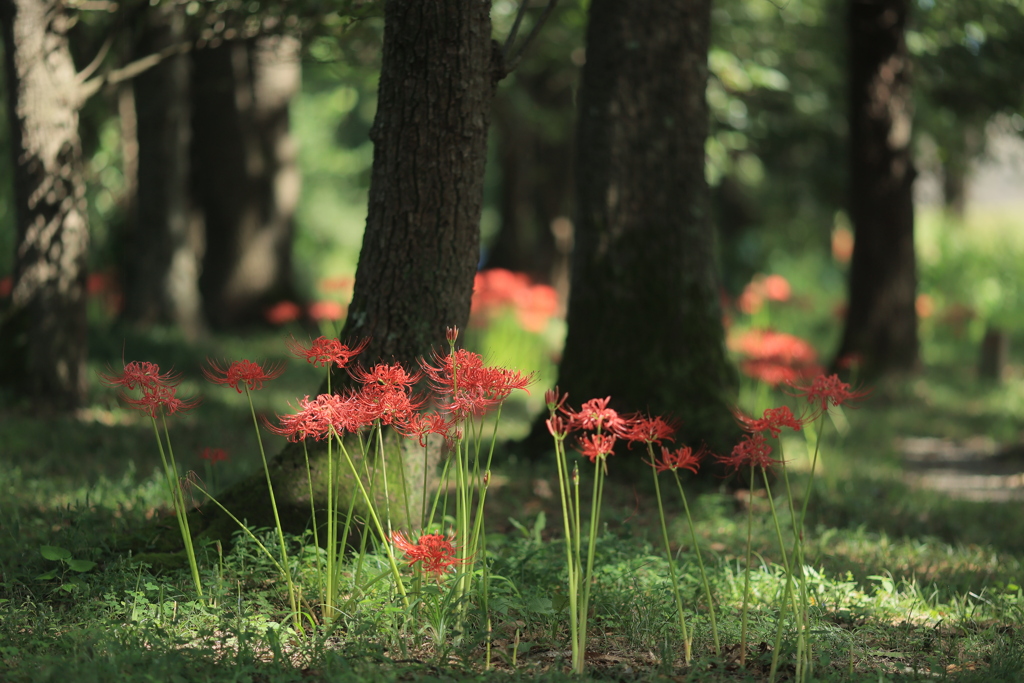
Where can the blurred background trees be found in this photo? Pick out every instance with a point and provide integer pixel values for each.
(198, 220)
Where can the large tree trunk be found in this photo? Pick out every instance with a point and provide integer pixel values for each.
(163, 261)
(246, 180)
(644, 320)
(881, 322)
(43, 329)
(421, 245)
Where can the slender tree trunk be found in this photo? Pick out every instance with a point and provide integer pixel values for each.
(421, 245)
(881, 322)
(43, 329)
(245, 177)
(536, 178)
(163, 263)
(644, 320)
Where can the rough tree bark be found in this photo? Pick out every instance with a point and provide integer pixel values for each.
(43, 328)
(164, 251)
(245, 175)
(881, 321)
(644, 320)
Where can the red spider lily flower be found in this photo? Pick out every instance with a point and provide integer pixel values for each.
(282, 312)
(384, 377)
(160, 399)
(215, 454)
(595, 415)
(753, 451)
(325, 416)
(242, 372)
(421, 425)
(471, 387)
(777, 288)
(597, 446)
(558, 426)
(554, 399)
(326, 310)
(682, 458)
(391, 406)
(322, 351)
(141, 375)
(772, 421)
(648, 429)
(829, 390)
(451, 334)
(435, 551)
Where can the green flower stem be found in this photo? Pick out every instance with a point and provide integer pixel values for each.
(745, 610)
(799, 606)
(292, 595)
(788, 594)
(595, 515)
(244, 528)
(174, 488)
(400, 586)
(571, 562)
(700, 564)
(332, 537)
(316, 534)
(687, 638)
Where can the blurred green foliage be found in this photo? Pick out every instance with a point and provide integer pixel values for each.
(775, 153)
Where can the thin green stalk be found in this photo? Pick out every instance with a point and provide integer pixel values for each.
(244, 528)
(571, 567)
(595, 514)
(789, 584)
(316, 534)
(687, 639)
(277, 518)
(700, 563)
(745, 610)
(380, 528)
(174, 488)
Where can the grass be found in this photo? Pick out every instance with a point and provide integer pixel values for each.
(904, 582)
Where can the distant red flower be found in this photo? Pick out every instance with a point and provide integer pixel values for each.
(595, 415)
(682, 458)
(648, 429)
(775, 357)
(753, 451)
(282, 312)
(777, 288)
(326, 310)
(323, 351)
(596, 447)
(772, 421)
(214, 454)
(435, 551)
(829, 390)
(242, 372)
(6, 285)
